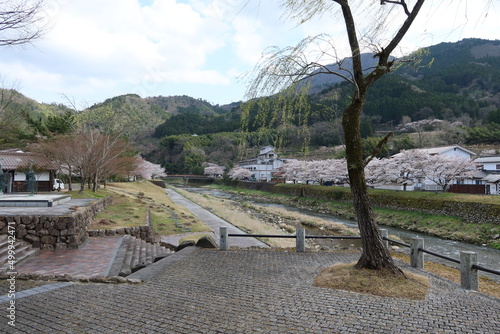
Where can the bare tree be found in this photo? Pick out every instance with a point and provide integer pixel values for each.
(21, 21)
(282, 67)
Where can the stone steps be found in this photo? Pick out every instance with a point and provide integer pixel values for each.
(22, 252)
(135, 254)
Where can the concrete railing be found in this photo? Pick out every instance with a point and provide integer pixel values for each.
(468, 260)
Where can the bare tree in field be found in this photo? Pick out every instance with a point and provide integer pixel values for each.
(63, 151)
(281, 68)
(21, 21)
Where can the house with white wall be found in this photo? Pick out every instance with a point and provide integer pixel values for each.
(422, 183)
(489, 173)
(265, 165)
(451, 151)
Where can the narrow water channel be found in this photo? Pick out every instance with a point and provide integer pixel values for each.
(487, 257)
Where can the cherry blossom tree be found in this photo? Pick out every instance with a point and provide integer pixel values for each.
(443, 169)
(294, 170)
(147, 170)
(239, 173)
(334, 170)
(400, 168)
(213, 170)
(375, 172)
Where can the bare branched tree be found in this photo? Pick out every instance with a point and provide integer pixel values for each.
(21, 21)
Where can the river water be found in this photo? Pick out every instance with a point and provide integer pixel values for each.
(486, 256)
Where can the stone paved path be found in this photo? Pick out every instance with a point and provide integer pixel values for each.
(93, 259)
(247, 291)
(215, 222)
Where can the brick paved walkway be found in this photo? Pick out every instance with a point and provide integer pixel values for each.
(93, 259)
(243, 291)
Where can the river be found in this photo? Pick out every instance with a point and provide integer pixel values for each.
(486, 256)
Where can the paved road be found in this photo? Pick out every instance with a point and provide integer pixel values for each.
(246, 291)
(214, 222)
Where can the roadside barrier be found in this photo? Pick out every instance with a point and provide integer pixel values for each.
(468, 260)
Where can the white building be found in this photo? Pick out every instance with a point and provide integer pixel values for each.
(489, 173)
(266, 163)
(451, 151)
(422, 183)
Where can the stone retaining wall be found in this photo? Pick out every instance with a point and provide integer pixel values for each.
(55, 232)
(144, 232)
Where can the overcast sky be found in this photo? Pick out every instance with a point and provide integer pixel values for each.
(98, 49)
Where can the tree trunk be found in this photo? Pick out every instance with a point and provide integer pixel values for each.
(94, 183)
(375, 255)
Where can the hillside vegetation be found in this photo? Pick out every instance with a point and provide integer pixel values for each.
(451, 95)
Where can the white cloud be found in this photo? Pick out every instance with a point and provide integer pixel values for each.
(98, 49)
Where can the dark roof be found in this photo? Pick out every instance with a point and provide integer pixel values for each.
(15, 160)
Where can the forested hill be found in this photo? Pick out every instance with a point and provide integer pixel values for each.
(451, 81)
(456, 83)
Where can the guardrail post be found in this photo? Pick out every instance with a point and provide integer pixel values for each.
(224, 245)
(417, 258)
(385, 234)
(468, 275)
(300, 240)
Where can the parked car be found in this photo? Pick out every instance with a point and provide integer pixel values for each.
(58, 185)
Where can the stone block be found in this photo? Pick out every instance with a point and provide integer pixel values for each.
(61, 225)
(54, 232)
(48, 239)
(31, 238)
(21, 232)
(47, 247)
(43, 232)
(48, 224)
(61, 245)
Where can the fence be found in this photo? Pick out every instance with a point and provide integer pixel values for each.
(468, 260)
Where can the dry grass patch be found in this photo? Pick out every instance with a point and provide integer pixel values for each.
(486, 285)
(233, 213)
(124, 212)
(130, 200)
(310, 221)
(374, 282)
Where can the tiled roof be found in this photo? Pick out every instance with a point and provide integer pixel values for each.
(15, 160)
(489, 159)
